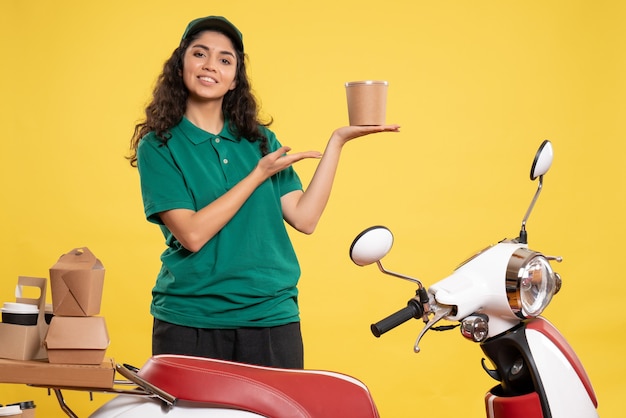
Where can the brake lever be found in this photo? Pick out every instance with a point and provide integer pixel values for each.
(130, 373)
(440, 312)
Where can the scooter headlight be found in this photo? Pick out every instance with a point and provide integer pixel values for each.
(530, 283)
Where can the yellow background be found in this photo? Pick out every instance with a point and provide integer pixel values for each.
(476, 86)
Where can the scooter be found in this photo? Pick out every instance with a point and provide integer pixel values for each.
(496, 297)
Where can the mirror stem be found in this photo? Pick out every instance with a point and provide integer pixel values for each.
(523, 236)
(398, 275)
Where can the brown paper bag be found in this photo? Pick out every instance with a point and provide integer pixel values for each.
(25, 342)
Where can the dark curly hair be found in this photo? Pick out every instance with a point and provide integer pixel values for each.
(169, 102)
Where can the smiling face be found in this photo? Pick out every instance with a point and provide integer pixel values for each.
(209, 67)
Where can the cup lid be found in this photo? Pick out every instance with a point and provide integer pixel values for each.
(13, 307)
(356, 83)
(24, 405)
(10, 410)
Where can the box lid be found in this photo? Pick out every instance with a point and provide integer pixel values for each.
(68, 332)
(78, 259)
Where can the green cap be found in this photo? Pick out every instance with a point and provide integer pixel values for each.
(217, 23)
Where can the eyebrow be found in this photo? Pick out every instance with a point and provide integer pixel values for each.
(206, 48)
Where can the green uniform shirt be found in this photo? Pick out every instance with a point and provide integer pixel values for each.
(246, 275)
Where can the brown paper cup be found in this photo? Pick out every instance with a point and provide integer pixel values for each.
(367, 102)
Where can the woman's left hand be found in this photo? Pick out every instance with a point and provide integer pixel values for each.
(302, 210)
(347, 133)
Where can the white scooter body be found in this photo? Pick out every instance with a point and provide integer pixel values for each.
(132, 407)
(476, 287)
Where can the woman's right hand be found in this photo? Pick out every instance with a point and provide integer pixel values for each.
(278, 160)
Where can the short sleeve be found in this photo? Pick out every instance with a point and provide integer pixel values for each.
(162, 183)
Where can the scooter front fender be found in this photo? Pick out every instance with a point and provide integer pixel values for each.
(566, 384)
(541, 376)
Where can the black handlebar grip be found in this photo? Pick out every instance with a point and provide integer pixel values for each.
(412, 310)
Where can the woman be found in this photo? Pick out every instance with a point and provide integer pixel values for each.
(221, 187)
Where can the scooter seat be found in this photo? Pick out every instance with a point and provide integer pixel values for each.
(267, 391)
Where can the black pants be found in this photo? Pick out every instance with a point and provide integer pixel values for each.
(273, 347)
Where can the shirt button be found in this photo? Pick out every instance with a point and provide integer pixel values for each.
(225, 160)
(217, 140)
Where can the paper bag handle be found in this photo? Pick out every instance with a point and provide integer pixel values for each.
(23, 281)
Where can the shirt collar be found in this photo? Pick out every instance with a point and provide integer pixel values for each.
(198, 136)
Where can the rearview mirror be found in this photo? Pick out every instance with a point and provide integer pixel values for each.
(371, 245)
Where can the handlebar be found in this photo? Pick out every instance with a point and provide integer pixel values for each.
(414, 309)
